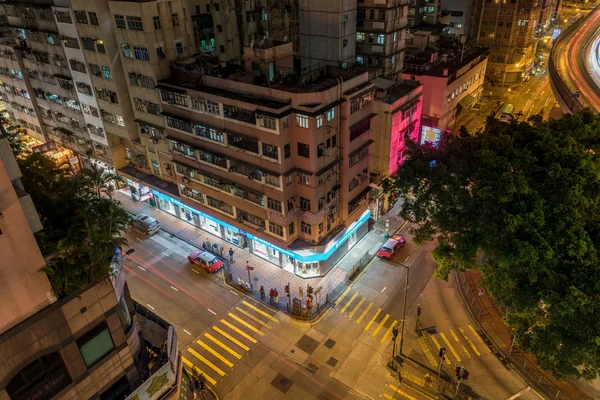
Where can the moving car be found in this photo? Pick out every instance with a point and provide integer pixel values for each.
(206, 260)
(391, 247)
(145, 224)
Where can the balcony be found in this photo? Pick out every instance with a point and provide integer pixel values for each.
(268, 50)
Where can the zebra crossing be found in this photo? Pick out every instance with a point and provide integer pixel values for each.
(416, 390)
(462, 344)
(226, 342)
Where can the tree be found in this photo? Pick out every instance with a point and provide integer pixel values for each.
(520, 203)
(99, 180)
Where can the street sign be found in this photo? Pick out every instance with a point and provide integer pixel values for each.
(249, 268)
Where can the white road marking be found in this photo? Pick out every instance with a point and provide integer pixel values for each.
(211, 311)
(175, 289)
(407, 258)
(139, 239)
(166, 254)
(383, 289)
(195, 271)
(141, 268)
(234, 292)
(187, 332)
(150, 306)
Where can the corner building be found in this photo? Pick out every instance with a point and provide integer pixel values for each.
(281, 171)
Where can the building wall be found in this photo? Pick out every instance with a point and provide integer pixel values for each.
(461, 15)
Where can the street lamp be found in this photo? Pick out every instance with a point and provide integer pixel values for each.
(404, 311)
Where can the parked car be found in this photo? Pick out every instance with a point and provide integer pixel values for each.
(145, 224)
(206, 260)
(391, 247)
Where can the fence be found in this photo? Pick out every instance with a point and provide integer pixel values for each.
(358, 267)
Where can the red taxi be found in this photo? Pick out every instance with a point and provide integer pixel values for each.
(206, 260)
(391, 247)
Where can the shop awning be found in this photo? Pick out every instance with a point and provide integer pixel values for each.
(467, 101)
(150, 180)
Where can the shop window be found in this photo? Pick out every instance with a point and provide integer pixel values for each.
(303, 150)
(95, 344)
(40, 379)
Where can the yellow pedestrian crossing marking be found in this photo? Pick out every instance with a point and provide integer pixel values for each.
(231, 338)
(387, 333)
(247, 325)
(253, 318)
(427, 352)
(357, 307)
(387, 396)
(383, 321)
(461, 345)
(437, 344)
(258, 310)
(223, 346)
(364, 313)
(445, 339)
(339, 300)
(476, 334)
(402, 392)
(214, 353)
(372, 319)
(205, 361)
(413, 378)
(198, 370)
(349, 302)
(462, 331)
(412, 388)
(239, 331)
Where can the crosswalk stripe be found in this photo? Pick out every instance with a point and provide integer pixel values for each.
(383, 321)
(339, 300)
(223, 346)
(387, 333)
(205, 361)
(198, 370)
(416, 390)
(387, 396)
(247, 325)
(372, 319)
(349, 302)
(364, 313)
(258, 310)
(462, 331)
(239, 331)
(357, 307)
(413, 378)
(445, 339)
(461, 345)
(476, 334)
(214, 353)
(253, 318)
(437, 344)
(402, 392)
(427, 352)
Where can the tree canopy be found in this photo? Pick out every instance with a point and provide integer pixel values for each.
(520, 203)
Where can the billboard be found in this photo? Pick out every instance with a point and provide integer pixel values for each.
(430, 135)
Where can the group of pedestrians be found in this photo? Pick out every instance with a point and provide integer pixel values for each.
(273, 295)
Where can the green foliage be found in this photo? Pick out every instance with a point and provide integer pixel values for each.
(520, 203)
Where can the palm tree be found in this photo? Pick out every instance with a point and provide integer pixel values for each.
(99, 180)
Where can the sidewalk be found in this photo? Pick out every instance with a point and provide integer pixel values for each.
(266, 274)
(489, 317)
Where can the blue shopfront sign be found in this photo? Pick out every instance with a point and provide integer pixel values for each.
(292, 254)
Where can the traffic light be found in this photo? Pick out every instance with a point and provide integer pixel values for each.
(395, 333)
(457, 372)
(465, 374)
(419, 311)
(287, 289)
(442, 352)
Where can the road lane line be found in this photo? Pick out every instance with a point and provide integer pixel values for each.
(258, 310)
(223, 346)
(205, 361)
(356, 307)
(458, 341)
(211, 311)
(437, 344)
(241, 321)
(427, 352)
(239, 331)
(402, 392)
(234, 292)
(231, 338)
(188, 332)
(364, 313)
(383, 321)
(372, 319)
(383, 290)
(174, 288)
(342, 296)
(445, 339)
(196, 271)
(462, 331)
(253, 318)
(198, 370)
(139, 239)
(214, 353)
(166, 254)
(141, 268)
(407, 258)
(387, 333)
(150, 306)
(349, 302)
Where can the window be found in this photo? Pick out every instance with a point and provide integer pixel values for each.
(216, 6)
(285, 121)
(77, 66)
(371, 14)
(209, 133)
(95, 344)
(45, 14)
(222, 48)
(106, 72)
(382, 15)
(320, 150)
(267, 122)
(156, 21)
(119, 120)
(302, 120)
(93, 18)
(71, 42)
(197, 9)
(275, 229)
(291, 229)
(331, 114)
(120, 21)
(380, 38)
(355, 158)
(107, 95)
(135, 23)
(319, 121)
(263, 15)
(272, 180)
(219, 28)
(90, 110)
(63, 16)
(270, 151)
(359, 130)
(208, 8)
(155, 167)
(100, 46)
(80, 17)
(141, 53)
(141, 80)
(303, 150)
(287, 151)
(27, 383)
(124, 315)
(174, 98)
(305, 227)
(274, 205)
(175, 19)
(361, 14)
(179, 48)
(126, 50)
(89, 44)
(305, 203)
(160, 53)
(360, 37)
(95, 70)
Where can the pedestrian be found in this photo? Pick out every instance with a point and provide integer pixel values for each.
(262, 292)
(271, 295)
(230, 254)
(222, 251)
(276, 293)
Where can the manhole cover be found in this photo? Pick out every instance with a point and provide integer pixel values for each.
(332, 361)
(282, 383)
(378, 231)
(329, 343)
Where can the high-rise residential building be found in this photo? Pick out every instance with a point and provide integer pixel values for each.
(428, 12)
(509, 30)
(548, 15)
(380, 35)
(461, 15)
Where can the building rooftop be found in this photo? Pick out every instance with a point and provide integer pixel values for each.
(389, 92)
(442, 62)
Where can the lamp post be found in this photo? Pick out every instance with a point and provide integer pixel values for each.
(404, 311)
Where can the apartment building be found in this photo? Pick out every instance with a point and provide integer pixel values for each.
(461, 15)
(426, 12)
(509, 29)
(548, 15)
(452, 82)
(381, 35)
